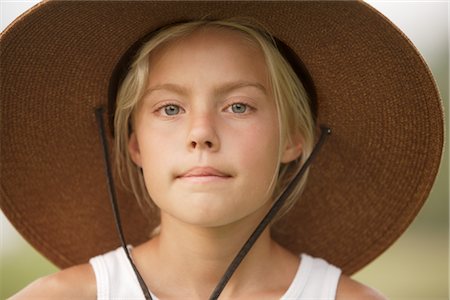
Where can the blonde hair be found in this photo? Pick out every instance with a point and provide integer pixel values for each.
(293, 105)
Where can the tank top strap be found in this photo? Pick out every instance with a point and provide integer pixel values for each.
(315, 279)
(115, 277)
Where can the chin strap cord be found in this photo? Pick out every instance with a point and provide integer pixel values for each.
(112, 196)
(325, 131)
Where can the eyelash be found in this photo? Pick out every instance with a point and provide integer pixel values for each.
(249, 107)
(160, 107)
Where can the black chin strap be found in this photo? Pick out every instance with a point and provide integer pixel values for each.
(269, 216)
(248, 244)
(113, 198)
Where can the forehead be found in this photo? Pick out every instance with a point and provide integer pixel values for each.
(211, 37)
(212, 51)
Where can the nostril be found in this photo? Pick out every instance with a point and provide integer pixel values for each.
(202, 145)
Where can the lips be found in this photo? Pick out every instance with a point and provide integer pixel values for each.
(203, 172)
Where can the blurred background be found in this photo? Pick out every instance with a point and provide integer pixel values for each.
(415, 267)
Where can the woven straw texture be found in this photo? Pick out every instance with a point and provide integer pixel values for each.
(373, 89)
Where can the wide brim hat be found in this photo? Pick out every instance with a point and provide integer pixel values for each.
(371, 86)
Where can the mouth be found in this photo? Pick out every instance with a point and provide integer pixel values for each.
(203, 174)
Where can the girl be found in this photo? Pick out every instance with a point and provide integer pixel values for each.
(214, 125)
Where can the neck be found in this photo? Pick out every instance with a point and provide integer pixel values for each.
(192, 259)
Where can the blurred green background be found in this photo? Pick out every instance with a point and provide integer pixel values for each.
(415, 267)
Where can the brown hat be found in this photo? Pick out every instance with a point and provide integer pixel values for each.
(372, 88)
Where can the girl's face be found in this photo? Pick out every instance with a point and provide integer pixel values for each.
(206, 131)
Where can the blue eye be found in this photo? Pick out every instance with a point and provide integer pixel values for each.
(171, 109)
(239, 108)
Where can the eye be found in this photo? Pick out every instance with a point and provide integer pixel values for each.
(239, 108)
(169, 109)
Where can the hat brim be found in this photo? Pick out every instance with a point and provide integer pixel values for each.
(373, 89)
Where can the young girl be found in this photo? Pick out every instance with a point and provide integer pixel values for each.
(214, 122)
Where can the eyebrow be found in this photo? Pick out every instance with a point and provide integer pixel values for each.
(231, 86)
(168, 87)
(222, 89)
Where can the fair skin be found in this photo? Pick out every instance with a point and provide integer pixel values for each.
(208, 103)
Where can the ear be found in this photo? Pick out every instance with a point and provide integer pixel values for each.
(133, 149)
(292, 150)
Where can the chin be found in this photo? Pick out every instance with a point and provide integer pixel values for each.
(212, 209)
(208, 216)
(214, 217)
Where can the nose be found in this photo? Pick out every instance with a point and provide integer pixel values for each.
(202, 134)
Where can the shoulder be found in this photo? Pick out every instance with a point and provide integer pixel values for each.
(64, 284)
(349, 289)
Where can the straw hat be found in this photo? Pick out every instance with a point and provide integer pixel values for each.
(372, 88)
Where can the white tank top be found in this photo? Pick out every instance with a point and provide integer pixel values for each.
(315, 278)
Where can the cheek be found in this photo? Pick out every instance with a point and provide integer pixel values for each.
(157, 141)
(259, 153)
(156, 155)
